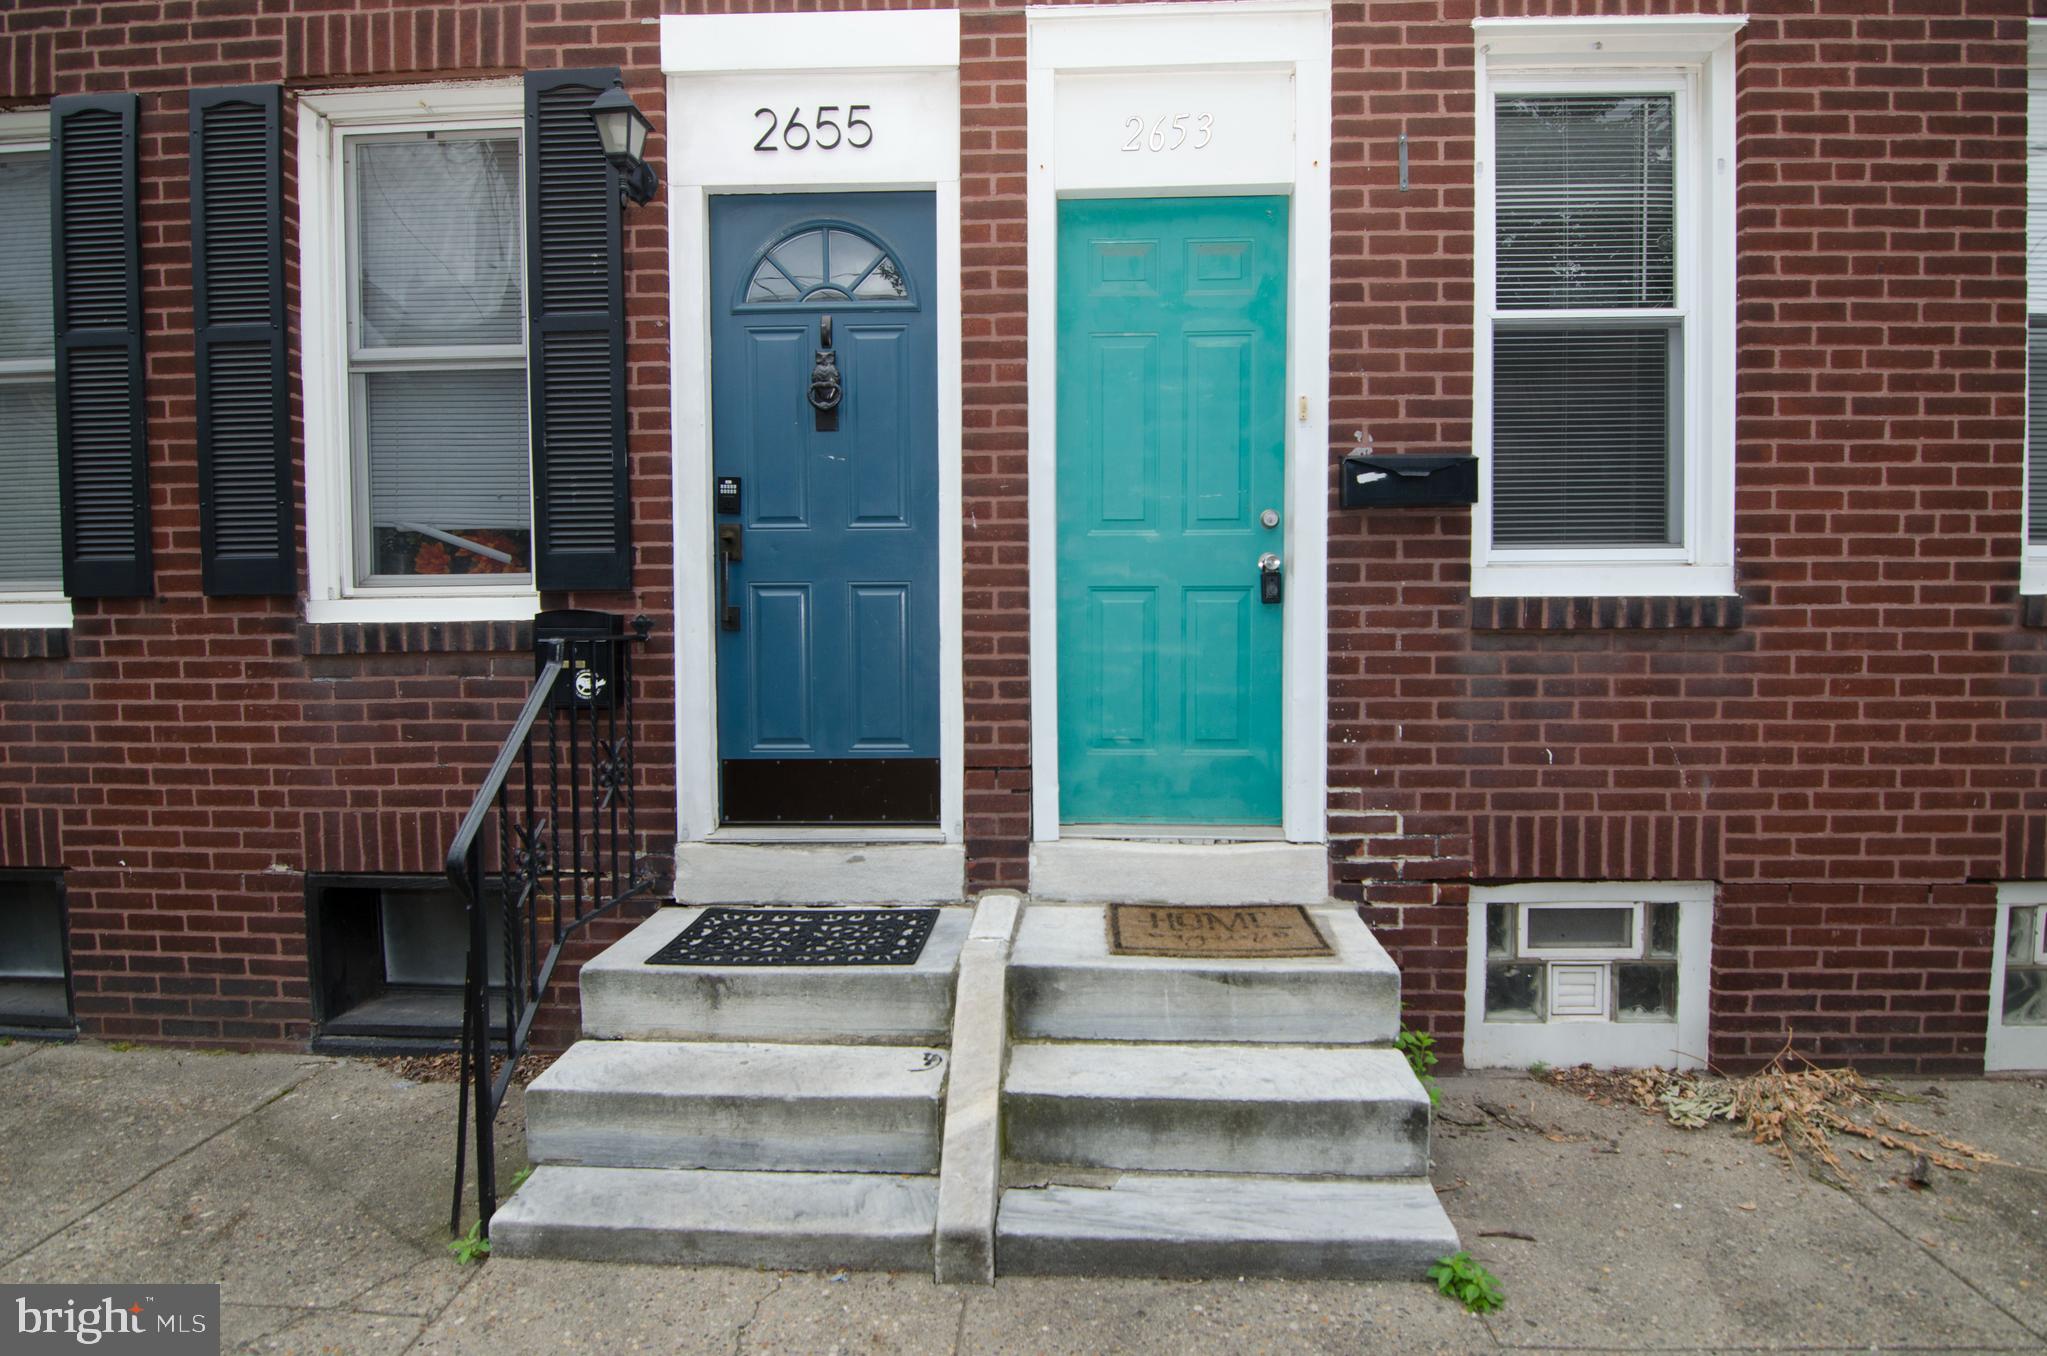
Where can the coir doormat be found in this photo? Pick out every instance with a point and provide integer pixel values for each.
(727, 936)
(1240, 932)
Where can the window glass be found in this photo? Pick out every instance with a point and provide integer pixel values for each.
(1580, 927)
(1585, 202)
(1513, 993)
(439, 228)
(438, 369)
(2036, 316)
(1586, 440)
(822, 263)
(31, 550)
(448, 471)
(1645, 992)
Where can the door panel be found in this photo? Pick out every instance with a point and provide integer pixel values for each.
(1172, 435)
(828, 686)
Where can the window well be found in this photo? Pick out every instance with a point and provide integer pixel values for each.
(388, 957)
(35, 988)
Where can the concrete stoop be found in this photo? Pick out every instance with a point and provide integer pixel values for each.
(1154, 1116)
(1254, 1116)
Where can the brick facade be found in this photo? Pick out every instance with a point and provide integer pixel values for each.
(1850, 749)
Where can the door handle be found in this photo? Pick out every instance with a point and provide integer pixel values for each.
(731, 547)
(1269, 577)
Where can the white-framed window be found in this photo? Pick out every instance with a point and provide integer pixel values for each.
(2018, 980)
(31, 533)
(1614, 974)
(1603, 389)
(2033, 566)
(419, 501)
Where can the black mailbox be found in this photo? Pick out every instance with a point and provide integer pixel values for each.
(1408, 480)
(593, 655)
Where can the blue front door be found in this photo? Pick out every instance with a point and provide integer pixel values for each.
(824, 435)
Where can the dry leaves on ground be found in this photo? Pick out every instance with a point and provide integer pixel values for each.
(1793, 1106)
(447, 1067)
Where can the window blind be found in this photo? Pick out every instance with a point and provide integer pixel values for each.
(1585, 442)
(27, 330)
(447, 450)
(2036, 318)
(2036, 202)
(31, 546)
(439, 228)
(2036, 430)
(1582, 436)
(1585, 202)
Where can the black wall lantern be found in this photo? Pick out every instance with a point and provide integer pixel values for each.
(623, 130)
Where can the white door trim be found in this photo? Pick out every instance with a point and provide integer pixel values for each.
(905, 66)
(1247, 36)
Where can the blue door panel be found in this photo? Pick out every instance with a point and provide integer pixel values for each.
(836, 653)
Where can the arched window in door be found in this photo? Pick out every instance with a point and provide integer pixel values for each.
(823, 263)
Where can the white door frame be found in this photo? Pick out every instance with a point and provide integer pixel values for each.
(904, 65)
(1207, 39)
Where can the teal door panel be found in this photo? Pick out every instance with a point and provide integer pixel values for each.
(1172, 437)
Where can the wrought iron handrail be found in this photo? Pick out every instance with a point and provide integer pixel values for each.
(565, 771)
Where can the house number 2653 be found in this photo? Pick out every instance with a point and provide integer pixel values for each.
(1169, 133)
(823, 130)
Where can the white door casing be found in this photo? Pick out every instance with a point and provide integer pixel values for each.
(902, 70)
(1260, 72)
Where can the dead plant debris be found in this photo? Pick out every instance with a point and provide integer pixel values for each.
(1798, 1109)
(447, 1067)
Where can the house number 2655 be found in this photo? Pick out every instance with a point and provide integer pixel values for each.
(1169, 133)
(823, 130)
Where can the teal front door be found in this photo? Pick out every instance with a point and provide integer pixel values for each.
(1172, 436)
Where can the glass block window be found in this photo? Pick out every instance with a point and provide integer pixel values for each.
(1571, 962)
(2025, 967)
(826, 263)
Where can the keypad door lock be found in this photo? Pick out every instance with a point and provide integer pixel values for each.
(1270, 586)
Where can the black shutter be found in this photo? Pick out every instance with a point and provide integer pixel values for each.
(575, 305)
(102, 455)
(245, 502)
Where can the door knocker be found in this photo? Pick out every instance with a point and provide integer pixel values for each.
(825, 388)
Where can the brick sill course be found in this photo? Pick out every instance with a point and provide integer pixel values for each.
(1606, 614)
(35, 642)
(350, 638)
(2033, 609)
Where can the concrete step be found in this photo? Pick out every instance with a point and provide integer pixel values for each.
(793, 1220)
(624, 998)
(1065, 985)
(1146, 1225)
(1290, 1110)
(669, 1104)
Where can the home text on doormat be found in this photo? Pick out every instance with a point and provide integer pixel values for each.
(1239, 932)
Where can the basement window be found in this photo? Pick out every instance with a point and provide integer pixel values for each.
(1597, 972)
(2018, 980)
(388, 954)
(35, 971)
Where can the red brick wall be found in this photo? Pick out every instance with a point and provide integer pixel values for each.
(193, 758)
(1852, 759)
(1852, 755)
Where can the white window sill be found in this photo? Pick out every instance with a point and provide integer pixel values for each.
(1601, 579)
(2033, 574)
(412, 607)
(35, 614)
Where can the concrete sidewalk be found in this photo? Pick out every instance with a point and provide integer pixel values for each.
(315, 1192)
